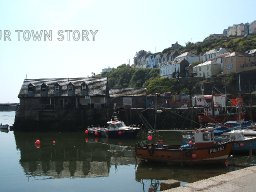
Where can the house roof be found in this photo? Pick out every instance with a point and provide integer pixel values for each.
(205, 63)
(183, 55)
(234, 54)
(253, 51)
(210, 51)
(96, 86)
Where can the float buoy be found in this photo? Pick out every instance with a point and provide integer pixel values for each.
(96, 133)
(119, 132)
(37, 143)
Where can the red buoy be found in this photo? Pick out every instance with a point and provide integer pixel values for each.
(37, 142)
(119, 132)
(86, 131)
(150, 137)
(194, 155)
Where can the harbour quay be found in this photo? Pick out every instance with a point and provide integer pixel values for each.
(235, 181)
(76, 103)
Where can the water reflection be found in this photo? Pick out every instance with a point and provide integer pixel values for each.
(102, 162)
(61, 155)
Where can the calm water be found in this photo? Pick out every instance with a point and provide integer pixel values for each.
(73, 162)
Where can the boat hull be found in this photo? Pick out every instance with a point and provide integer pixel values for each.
(210, 155)
(244, 147)
(131, 133)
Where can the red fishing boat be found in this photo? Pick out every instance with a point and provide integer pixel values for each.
(202, 148)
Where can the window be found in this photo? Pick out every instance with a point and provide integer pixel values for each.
(56, 87)
(44, 87)
(31, 90)
(70, 87)
(206, 136)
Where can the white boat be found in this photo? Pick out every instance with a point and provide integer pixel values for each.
(244, 140)
(115, 129)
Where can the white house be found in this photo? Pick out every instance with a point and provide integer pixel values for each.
(142, 62)
(232, 31)
(252, 27)
(175, 69)
(150, 61)
(191, 58)
(213, 54)
(207, 69)
(168, 69)
(158, 59)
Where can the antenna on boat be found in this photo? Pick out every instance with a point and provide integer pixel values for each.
(239, 83)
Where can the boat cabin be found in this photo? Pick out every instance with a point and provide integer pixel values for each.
(115, 124)
(202, 138)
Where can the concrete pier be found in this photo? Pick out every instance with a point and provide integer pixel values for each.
(235, 181)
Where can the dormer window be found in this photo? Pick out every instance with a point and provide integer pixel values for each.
(57, 89)
(71, 89)
(31, 90)
(44, 89)
(84, 89)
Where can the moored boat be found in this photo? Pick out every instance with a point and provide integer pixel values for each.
(244, 141)
(202, 148)
(228, 126)
(115, 129)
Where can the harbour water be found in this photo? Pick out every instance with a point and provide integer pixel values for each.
(70, 161)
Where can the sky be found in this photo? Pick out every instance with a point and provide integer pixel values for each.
(85, 36)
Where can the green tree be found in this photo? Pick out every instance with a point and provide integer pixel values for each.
(138, 78)
(120, 77)
(162, 85)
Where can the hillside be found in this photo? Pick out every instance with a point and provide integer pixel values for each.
(239, 44)
(127, 76)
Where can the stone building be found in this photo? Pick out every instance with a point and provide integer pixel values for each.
(70, 102)
(237, 62)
